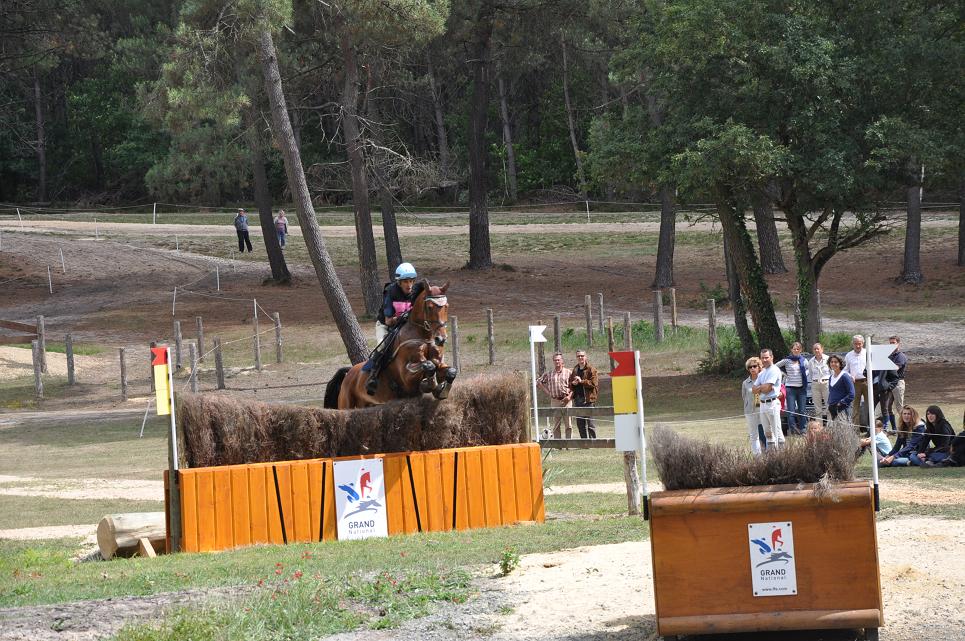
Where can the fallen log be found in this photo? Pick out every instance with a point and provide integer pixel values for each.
(120, 534)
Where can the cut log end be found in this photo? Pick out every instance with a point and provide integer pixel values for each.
(121, 534)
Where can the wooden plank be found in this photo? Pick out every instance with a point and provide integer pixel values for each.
(475, 491)
(741, 499)
(410, 522)
(331, 523)
(301, 503)
(490, 482)
(773, 621)
(434, 516)
(19, 327)
(578, 443)
(271, 504)
(462, 490)
(392, 467)
(17, 340)
(524, 493)
(285, 491)
(145, 549)
(417, 461)
(315, 498)
(536, 482)
(224, 534)
(206, 514)
(189, 511)
(507, 485)
(447, 482)
(240, 515)
(257, 506)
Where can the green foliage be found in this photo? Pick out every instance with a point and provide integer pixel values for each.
(508, 561)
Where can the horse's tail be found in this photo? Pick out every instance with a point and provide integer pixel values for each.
(333, 387)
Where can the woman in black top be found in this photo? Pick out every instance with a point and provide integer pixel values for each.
(938, 434)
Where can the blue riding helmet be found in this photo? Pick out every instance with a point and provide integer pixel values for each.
(405, 271)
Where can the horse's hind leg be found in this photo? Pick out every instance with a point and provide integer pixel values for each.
(448, 375)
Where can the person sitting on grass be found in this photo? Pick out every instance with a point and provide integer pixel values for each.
(911, 430)
(956, 451)
(816, 431)
(939, 434)
(881, 443)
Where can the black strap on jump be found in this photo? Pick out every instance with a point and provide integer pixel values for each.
(281, 513)
(321, 511)
(455, 490)
(415, 499)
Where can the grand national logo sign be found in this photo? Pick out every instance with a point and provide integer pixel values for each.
(772, 558)
(360, 499)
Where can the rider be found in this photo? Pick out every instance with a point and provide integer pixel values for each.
(396, 301)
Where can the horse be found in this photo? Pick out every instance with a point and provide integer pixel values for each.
(416, 358)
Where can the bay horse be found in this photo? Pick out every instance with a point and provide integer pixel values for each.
(416, 363)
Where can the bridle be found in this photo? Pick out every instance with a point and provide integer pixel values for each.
(431, 327)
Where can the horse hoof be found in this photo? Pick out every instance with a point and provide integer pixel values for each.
(442, 391)
(451, 375)
(426, 385)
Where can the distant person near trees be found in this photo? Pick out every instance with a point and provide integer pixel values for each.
(241, 227)
(897, 399)
(281, 227)
(752, 404)
(819, 374)
(767, 385)
(556, 384)
(854, 365)
(796, 389)
(840, 392)
(585, 384)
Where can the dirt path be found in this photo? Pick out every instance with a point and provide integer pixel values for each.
(591, 593)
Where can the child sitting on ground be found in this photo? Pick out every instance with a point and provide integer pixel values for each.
(880, 440)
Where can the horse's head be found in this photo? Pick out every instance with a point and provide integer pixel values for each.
(430, 310)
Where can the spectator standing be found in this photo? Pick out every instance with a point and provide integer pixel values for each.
(752, 404)
(840, 392)
(796, 389)
(819, 373)
(939, 434)
(556, 384)
(911, 430)
(899, 358)
(241, 227)
(767, 385)
(585, 385)
(854, 365)
(281, 227)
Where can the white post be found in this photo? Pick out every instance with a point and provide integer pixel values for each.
(177, 245)
(588, 212)
(19, 218)
(155, 215)
(643, 435)
(532, 371)
(871, 422)
(1, 240)
(217, 277)
(63, 265)
(146, 410)
(174, 301)
(50, 283)
(97, 235)
(173, 483)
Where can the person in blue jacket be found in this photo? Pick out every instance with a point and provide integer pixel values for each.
(840, 392)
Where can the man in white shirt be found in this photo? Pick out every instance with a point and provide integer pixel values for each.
(819, 373)
(768, 386)
(854, 365)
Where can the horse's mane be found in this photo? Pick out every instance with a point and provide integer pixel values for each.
(417, 289)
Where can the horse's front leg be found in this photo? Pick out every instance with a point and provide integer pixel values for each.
(445, 374)
(424, 368)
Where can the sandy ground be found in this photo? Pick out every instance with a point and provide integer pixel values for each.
(591, 593)
(16, 362)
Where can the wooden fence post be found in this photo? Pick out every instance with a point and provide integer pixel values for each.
(658, 315)
(599, 298)
(42, 343)
(150, 365)
(627, 332)
(69, 349)
(712, 326)
(588, 308)
(609, 338)
(455, 342)
(193, 357)
(257, 337)
(123, 360)
(177, 345)
(491, 336)
(557, 335)
(218, 363)
(540, 355)
(200, 324)
(673, 308)
(278, 354)
(632, 478)
(38, 368)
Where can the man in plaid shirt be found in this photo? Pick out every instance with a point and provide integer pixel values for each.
(557, 385)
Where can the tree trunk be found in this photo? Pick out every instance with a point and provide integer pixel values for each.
(365, 241)
(390, 231)
(442, 140)
(751, 276)
(118, 534)
(961, 222)
(507, 140)
(668, 234)
(276, 259)
(767, 239)
(744, 334)
(480, 251)
(807, 277)
(581, 176)
(338, 303)
(911, 266)
(41, 142)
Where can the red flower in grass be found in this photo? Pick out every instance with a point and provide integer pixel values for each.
(297, 574)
